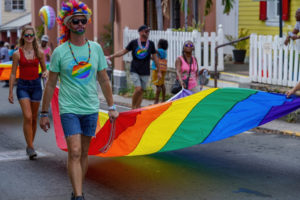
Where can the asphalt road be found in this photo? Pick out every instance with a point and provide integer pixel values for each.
(248, 166)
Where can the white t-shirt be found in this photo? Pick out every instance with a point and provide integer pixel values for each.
(4, 51)
(297, 26)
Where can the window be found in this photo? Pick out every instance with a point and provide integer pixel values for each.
(14, 5)
(17, 4)
(272, 13)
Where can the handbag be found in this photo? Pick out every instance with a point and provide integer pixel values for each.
(176, 87)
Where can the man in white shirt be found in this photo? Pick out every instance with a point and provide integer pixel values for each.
(293, 35)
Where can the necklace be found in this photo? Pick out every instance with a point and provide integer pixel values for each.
(29, 54)
(141, 47)
(78, 63)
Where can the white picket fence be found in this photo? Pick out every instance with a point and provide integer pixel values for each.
(272, 62)
(204, 45)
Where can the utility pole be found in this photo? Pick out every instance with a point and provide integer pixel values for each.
(280, 18)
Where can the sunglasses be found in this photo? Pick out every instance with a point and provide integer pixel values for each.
(28, 35)
(147, 31)
(189, 45)
(76, 21)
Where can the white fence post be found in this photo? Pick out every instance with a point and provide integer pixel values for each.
(220, 50)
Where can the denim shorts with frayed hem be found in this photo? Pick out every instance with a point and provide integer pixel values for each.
(30, 89)
(79, 124)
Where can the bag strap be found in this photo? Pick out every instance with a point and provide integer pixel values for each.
(188, 78)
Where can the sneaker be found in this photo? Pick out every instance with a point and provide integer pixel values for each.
(79, 198)
(31, 153)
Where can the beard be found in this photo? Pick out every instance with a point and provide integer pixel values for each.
(80, 31)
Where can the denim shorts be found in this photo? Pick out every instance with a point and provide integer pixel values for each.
(79, 124)
(139, 80)
(30, 89)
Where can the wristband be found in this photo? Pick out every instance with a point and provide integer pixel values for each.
(113, 107)
(43, 115)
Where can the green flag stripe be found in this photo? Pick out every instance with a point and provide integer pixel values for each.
(204, 117)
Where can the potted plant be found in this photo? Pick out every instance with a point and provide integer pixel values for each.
(240, 48)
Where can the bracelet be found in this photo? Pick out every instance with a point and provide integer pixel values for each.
(44, 112)
(113, 107)
(43, 115)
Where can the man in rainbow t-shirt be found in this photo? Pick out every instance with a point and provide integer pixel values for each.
(78, 63)
(141, 49)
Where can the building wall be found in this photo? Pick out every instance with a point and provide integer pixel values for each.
(8, 16)
(249, 18)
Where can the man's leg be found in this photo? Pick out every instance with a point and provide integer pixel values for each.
(137, 97)
(74, 163)
(85, 144)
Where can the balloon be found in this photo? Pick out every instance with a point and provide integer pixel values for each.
(47, 15)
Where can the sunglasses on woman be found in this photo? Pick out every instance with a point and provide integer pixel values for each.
(28, 35)
(189, 45)
(76, 21)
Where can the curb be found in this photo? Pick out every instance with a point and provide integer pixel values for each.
(272, 131)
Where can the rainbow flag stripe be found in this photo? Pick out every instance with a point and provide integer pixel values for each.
(204, 117)
(5, 70)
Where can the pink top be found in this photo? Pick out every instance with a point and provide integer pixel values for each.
(46, 51)
(185, 68)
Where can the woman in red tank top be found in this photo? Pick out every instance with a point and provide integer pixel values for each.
(29, 90)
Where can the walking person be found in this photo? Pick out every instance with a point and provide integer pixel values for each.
(142, 49)
(293, 35)
(79, 63)
(162, 47)
(187, 68)
(46, 48)
(29, 89)
(4, 57)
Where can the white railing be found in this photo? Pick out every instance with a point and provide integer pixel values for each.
(204, 45)
(272, 62)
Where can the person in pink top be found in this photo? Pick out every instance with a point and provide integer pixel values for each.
(187, 68)
(46, 48)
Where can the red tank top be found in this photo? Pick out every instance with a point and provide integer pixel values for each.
(29, 69)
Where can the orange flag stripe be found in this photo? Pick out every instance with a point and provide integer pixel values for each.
(129, 139)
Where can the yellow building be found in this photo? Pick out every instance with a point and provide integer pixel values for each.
(251, 13)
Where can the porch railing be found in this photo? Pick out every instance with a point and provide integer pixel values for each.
(204, 45)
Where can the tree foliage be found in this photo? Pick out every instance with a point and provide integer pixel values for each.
(228, 5)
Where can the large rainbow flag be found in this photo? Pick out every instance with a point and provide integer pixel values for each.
(204, 117)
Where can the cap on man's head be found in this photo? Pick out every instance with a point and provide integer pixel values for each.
(45, 38)
(143, 27)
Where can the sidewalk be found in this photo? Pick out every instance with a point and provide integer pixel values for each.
(278, 126)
